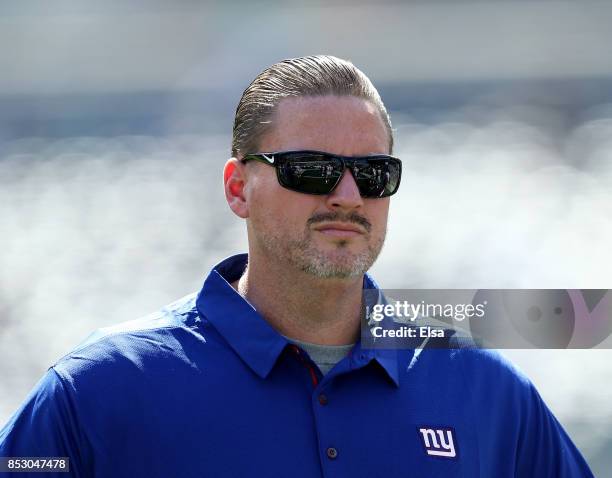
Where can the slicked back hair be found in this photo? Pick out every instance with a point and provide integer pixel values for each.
(318, 75)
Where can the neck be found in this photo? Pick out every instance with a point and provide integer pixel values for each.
(302, 306)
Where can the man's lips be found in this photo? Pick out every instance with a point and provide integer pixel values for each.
(340, 229)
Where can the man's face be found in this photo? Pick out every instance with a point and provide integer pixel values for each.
(338, 235)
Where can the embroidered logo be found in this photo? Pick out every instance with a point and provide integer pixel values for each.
(438, 441)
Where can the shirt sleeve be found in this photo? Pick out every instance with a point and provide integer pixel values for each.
(544, 448)
(518, 435)
(45, 426)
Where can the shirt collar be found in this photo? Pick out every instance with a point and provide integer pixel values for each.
(249, 334)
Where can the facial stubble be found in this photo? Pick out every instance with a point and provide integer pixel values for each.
(338, 263)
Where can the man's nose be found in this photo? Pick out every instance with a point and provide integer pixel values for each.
(346, 194)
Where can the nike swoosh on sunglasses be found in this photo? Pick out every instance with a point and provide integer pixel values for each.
(318, 172)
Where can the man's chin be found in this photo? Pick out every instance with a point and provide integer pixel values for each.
(338, 263)
(341, 245)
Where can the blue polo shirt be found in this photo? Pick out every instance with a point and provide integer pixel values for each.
(207, 388)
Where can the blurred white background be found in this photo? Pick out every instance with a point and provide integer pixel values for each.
(115, 122)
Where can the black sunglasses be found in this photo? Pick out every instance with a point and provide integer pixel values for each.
(317, 172)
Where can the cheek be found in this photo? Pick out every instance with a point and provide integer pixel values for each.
(276, 209)
(261, 191)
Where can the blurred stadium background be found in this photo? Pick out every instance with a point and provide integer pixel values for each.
(115, 121)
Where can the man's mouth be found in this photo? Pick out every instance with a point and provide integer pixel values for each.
(340, 229)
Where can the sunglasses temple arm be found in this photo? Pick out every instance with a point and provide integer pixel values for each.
(255, 158)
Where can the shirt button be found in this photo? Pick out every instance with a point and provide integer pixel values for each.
(323, 399)
(332, 453)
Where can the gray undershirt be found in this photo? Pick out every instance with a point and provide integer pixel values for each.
(325, 356)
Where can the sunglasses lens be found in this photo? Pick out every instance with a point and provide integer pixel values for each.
(377, 178)
(319, 173)
(310, 173)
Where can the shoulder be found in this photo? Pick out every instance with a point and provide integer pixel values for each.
(156, 336)
(496, 391)
(475, 375)
(486, 369)
(487, 362)
(465, 357)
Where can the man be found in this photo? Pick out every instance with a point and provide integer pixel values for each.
(263, 372)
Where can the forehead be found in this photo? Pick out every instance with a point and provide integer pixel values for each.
(344, 125)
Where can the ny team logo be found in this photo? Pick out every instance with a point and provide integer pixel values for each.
(439, 441)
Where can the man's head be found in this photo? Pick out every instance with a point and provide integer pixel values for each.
(316, 103)
(308, 76)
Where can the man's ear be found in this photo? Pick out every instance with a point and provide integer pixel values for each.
(234, 181)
